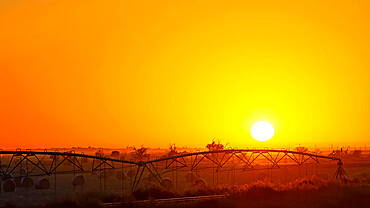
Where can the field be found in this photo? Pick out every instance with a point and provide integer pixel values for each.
(287, 183)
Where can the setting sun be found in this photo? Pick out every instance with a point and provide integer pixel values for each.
(262, 131)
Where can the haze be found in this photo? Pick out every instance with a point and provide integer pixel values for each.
(119, 73)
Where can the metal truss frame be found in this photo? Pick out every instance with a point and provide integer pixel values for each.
(219, 158)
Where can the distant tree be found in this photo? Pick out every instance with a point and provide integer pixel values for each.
(99, 153)
(173, 150)
(301, 149)
(215, 145)
(115, 154)
(140, 153)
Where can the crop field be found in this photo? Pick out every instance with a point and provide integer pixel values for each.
(180, 176)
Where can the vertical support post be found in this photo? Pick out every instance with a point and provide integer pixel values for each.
(100, 176)
(132, 185)
(20, 164)
(173, 172)
(156, 164)
(252, 169)
(191, 163)
(196, 166)
(286, 165)
(176, 176)
(306, 169)
(105, 178)
(213, 173)
(74, 172)
(81, 190)
(122, 185)
(233, 170)
(217, 171)
(55, 175)
(27, 171)
(272, 166)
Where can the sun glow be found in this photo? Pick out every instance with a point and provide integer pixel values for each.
(262, 131)
(158, 72)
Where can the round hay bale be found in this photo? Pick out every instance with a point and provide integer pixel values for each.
(190, 177)
(120, 175)
(200, 182)
(7, 176)
(27, 182)
(9, 186)
(78, 180)
(42, 183)
(23, 172)
(17, 181)
(167, 183)
(131, 173)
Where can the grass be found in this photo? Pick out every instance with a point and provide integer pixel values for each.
(307, 192)
(313, 192)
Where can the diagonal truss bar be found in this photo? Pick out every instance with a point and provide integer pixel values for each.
(222, 164)
(196, 163)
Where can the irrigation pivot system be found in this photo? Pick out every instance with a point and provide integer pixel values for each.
(28, 168)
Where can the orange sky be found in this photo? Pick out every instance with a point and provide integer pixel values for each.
(119, 73)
